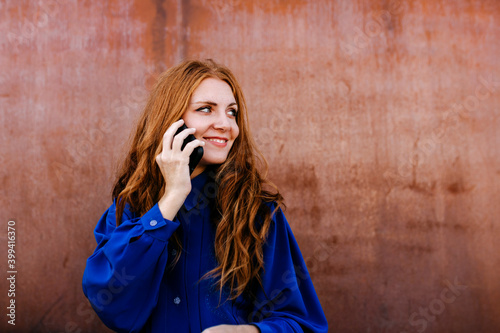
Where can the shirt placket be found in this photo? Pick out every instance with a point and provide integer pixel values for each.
(193, 242)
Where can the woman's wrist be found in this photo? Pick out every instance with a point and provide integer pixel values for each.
(253, 329)
(170, 204)
(233, 329)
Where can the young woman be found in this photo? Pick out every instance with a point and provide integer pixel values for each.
(207, 252)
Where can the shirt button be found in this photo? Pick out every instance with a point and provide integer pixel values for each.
(173, 252)
(177, 300)
(153, 223)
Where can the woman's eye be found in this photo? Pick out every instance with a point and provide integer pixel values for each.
(205, 109)
(232, 112)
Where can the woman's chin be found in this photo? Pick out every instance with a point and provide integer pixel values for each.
(213, 160)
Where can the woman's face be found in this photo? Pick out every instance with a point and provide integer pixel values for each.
(212, 112)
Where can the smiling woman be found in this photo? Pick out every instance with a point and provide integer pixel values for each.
(212, 111)
(209, 251)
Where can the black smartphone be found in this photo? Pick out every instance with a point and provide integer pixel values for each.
(197, 153)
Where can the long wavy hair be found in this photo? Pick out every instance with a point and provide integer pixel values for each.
(242, 220)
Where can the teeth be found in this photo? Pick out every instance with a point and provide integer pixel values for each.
(217, 140)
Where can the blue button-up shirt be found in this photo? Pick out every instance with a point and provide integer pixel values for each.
(130, 286)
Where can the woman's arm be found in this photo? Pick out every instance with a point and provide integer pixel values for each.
(122, 277)
(232, 329)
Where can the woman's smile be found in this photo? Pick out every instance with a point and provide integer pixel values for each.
(216, 141)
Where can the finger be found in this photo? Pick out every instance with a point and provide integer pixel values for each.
(190, 147)
(179, 138)
(169, 134)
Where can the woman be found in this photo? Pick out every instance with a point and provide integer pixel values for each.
(206, 252)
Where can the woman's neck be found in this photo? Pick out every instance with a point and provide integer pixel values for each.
(199, 169)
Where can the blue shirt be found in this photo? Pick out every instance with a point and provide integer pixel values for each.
(131, 289)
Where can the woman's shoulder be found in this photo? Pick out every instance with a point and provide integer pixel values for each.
(273, 207)
(278, 220)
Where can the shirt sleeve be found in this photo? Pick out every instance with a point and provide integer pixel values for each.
(290, 303)
(122, 277)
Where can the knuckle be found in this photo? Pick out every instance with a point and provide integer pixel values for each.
(194, 143)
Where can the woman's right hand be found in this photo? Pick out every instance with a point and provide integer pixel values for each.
(174, 166)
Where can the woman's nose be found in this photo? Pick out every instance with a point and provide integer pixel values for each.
(221, 122)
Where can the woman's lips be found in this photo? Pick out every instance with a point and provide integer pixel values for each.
(218, 142)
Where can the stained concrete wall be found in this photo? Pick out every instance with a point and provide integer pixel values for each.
(379, 120)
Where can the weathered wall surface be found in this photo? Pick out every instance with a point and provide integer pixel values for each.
(379, 120)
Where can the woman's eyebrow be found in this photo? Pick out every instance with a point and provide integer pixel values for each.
(205, 102)
(212, 103)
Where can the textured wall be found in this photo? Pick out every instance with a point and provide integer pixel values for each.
(379, 120)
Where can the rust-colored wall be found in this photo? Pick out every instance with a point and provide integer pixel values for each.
(379, 120)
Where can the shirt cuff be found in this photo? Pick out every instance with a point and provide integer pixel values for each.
(155, 225)
(254, 324)
(263, 328)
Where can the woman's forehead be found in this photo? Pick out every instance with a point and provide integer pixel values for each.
(213, 90)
